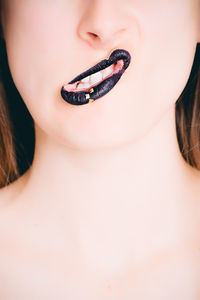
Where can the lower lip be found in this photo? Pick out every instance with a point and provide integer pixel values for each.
(94, 92)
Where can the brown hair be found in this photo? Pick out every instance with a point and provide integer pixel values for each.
(188, 116)
(17, 135)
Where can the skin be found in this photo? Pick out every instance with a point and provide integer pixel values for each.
(103, 168)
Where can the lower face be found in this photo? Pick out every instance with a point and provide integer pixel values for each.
(47, 49)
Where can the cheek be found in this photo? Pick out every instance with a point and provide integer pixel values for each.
(34, 42)
(167, 48)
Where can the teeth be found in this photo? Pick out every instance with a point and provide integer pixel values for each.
(108, 71)
(86, 79)
(95, 78)
(83, 85)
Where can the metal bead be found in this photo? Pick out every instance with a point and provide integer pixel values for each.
(91, 90)
(87, 96)
(91, 100)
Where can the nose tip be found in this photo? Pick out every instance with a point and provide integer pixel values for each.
(103, 37)
(103, 40)
(102, 26)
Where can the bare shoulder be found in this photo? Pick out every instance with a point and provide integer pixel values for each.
(10, 192)
(10, 209)
(6, 194)
(195, 190)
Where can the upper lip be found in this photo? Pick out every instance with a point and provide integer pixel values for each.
(114, 57)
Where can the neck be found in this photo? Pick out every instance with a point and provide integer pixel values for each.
(148, 167)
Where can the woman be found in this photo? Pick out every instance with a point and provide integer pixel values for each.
(109, 207)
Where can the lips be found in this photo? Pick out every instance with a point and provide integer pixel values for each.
(69, 92)
(94, 79)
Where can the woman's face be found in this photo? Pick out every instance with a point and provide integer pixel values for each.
(49, 42)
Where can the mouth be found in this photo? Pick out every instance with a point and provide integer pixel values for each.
(98, 80)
